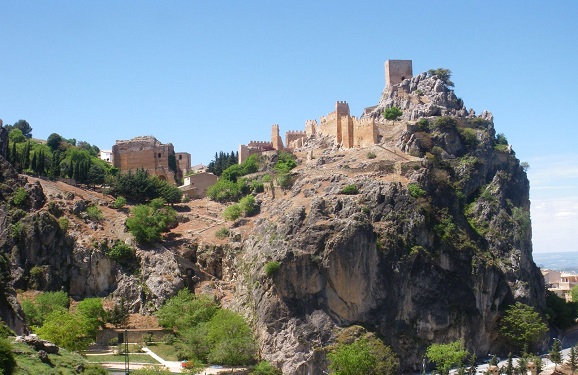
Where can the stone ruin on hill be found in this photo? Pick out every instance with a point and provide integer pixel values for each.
(417, 96)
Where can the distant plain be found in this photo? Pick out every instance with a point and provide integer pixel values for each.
(561, 261)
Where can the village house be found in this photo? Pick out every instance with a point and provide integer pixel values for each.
(560, 282)
(196, 184)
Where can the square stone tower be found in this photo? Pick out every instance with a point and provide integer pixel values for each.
(396, 71)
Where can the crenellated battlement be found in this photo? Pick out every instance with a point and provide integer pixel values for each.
(295, 132)
(259, 144)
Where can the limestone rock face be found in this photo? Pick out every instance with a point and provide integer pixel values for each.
(421, 96)
(418, 266)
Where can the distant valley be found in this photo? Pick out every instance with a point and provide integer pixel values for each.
(562, 261)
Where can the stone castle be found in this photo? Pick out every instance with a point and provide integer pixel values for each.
(348, 131)
(148, 153)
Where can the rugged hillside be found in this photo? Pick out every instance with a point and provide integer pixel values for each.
(432, 248)
(423, 238)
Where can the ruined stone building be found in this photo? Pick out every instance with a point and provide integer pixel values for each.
(148, 153)
(349, 131)
(183, 162)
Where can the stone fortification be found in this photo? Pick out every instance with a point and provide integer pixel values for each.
(295, 138)
(276, 138)
(144, 152)
(349, 131)
(183, 162)
(396, 71)
(252, 148)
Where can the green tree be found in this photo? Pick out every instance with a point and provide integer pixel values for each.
(539, 364)
(93, 312)
(148, 221)
(24, 127)
(186, 310)
(231, 339)
(573, 359)
(54, 141)
(522, 368)
(443, 74)
(249, 205)
(523, 326)
(7, 361)
(509, 365)
(392, 114)
(232, 212)
(71, 331)
(45, 303)
(574, 293)
(365, 355)
(555, 353)
(119, 315)
(16, 136)
(446, 355)
(225, 191)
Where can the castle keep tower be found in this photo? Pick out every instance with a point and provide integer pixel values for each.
(396, 71)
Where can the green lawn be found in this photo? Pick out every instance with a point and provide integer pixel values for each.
(133, 358)
(165, 351)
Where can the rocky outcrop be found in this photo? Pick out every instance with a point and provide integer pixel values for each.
(421, 96)
(433, 255)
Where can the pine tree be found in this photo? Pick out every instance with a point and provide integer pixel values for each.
(555, 355)
(509, 365)
(573, 359)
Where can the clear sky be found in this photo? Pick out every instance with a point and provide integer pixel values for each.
(209, 75)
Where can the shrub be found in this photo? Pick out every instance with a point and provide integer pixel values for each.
(272, 267)
(63, 224)
(422, 124)
(371, 155)
(392, 113)
(16, 231)
(285, 162)
(7, 361)
(266, 178)
(121, 252)
(415, 190)
(224, 191)
(149, 221)
(284, 180)
(265, 368)
(119, 203)
(248, 205)
(20, 197)
(350, 190)
(223, 233)
(469, 136)
(94, 213)
(445, 123)
(501, 139)
(256, 186)
(233, 212)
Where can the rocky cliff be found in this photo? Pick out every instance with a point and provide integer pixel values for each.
(424, 237)
(431, 246)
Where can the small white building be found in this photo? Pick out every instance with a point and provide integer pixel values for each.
(196, 184)
(106, 155)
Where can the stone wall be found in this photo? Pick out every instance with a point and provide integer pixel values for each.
(294, 139)
(276, 138)
(133, 335)
(183, 162)
(349, 131)
(200, 182)
(396, 71)
(146, 153)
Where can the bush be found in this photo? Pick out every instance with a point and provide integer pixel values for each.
(121, 252)
(119, 203)
(222, 233)
(415, 191)
(422, 125)
(284, 180)
(272, 267)
(225, 191)
(149, 221)
(265, 368)
(63, 224)
(7, 361)
(16, 231)
(5, 331)
(248, 205)
(445, 123)
(94, 213)
(233, 212)
(350, 190)
(469, 136)
(20, 197)
(371, 155)
(257, 186)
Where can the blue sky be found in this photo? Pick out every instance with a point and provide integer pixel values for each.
(208, 75)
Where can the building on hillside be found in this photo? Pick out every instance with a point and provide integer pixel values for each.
(196, 184)
(183, 162)
(106, 155)
(199, 168)
(147, 153)
(560, 283)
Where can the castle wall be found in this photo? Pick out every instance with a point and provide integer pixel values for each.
(365, 132)
(346, 130)
(144, 153)
(276, 141)
(396, 71)
(310, 127)
(294, 139)
(183, 162)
